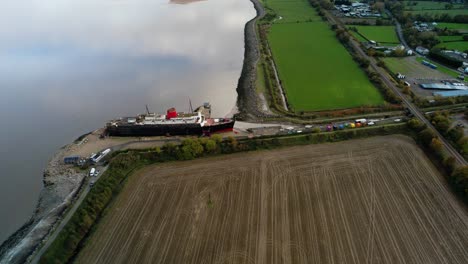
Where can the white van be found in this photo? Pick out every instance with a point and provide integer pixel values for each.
(92, 172)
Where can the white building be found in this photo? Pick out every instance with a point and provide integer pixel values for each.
(422, 50)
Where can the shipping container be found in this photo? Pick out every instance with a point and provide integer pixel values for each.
(71, 160)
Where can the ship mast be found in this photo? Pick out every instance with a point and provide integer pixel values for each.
(147, 110)
(190, 102)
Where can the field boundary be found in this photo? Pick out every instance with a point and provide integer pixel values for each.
(390, 102)
(205, 210)
(123, 163)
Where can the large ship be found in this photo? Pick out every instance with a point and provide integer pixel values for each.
(198, 122)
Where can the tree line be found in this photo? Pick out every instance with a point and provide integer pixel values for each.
(457, 176)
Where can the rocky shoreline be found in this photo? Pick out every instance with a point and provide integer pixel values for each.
(252, 107)
(61, 184)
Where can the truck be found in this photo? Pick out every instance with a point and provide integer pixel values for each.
(362, 120)
(97, 157)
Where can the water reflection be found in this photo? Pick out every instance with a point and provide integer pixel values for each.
(68, 66)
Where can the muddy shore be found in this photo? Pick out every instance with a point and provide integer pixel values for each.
(62, 182)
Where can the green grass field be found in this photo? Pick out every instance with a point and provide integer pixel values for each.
(397, 65)
(357, 36)
(309, 59)
(293, 11)
(458, 45)
(383, 34)
(457, 26)
(452, 12)
(424, 5)
(316, 70)
(450, 38)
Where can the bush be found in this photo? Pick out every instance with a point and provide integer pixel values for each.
(210, 146)
(463, 145)
(416, 125)
(436, 145)
(437, 55)
(459, 180)
(426, 136)
(449, 164)
(189, 149)
(455, 134)
(440, 121)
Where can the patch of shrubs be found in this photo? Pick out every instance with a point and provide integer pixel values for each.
(387, 93)
(455, 135)
(438, 55)
(457, 177)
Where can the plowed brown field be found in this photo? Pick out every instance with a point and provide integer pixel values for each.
(376, 200)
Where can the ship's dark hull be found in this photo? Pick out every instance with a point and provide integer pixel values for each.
(164, 130)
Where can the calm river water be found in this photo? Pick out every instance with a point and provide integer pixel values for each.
(67, 66)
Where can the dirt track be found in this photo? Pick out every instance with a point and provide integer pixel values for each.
(376, 200)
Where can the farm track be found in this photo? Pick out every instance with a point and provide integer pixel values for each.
(376, 200)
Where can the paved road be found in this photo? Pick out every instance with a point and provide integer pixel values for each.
(414, 109)
(278, 82)
(67, 218)
(399, 30)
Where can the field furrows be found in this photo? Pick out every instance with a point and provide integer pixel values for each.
(376, 200)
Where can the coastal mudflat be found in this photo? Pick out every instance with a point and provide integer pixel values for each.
(376, 200)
